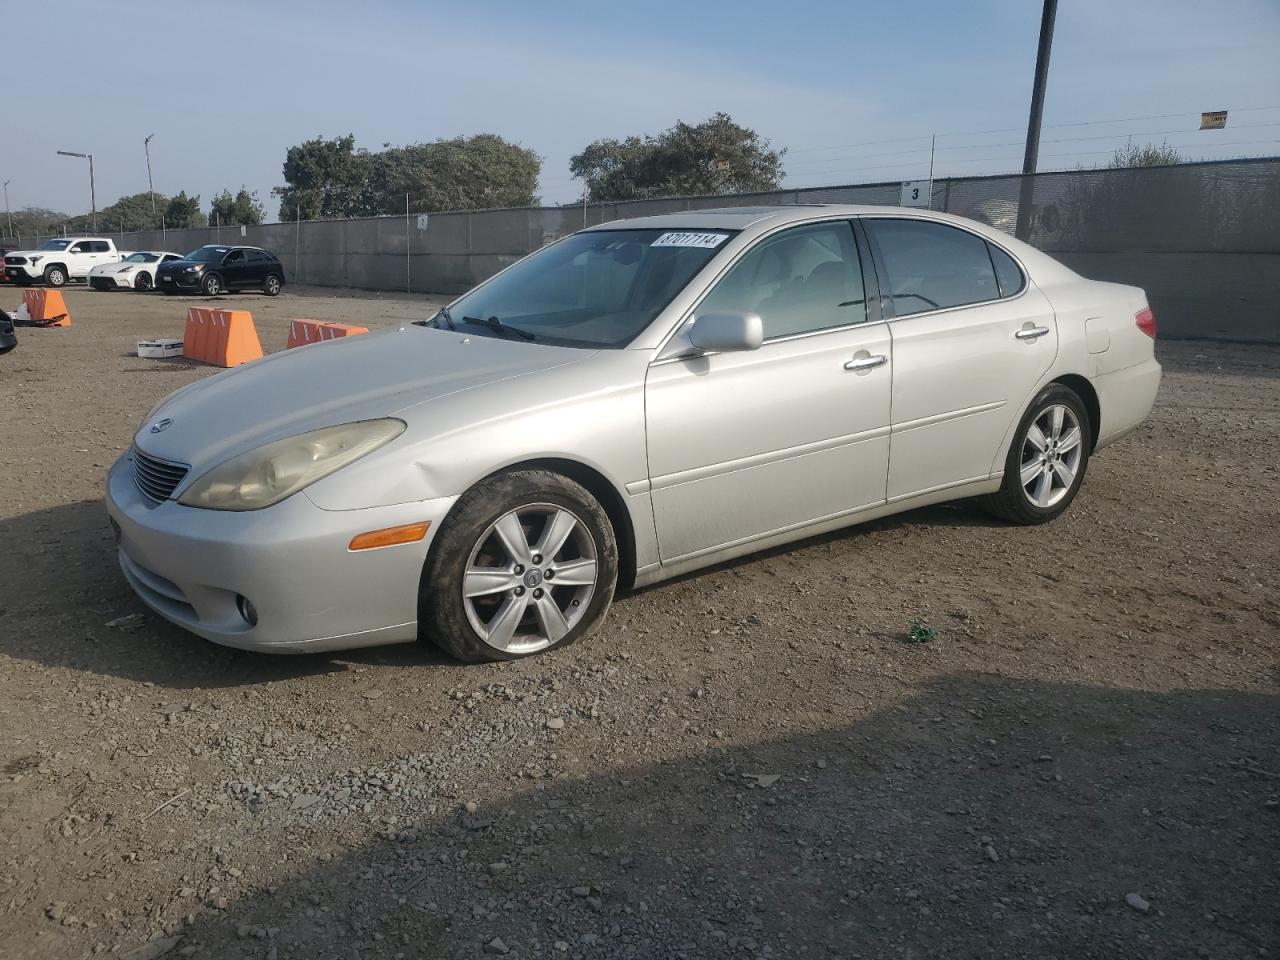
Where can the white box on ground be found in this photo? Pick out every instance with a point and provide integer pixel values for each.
(916, 193)
(158, 349)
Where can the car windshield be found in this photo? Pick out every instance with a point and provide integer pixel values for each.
(140, 258)
(55, 245)
(596, 289)
(208, 254)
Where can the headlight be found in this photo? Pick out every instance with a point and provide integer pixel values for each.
(35, 260)
(126, 269)
(190, 269)
(270, 473)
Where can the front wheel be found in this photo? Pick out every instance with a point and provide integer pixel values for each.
(1047, 459)
(271, 286)
(526, 562)
(55, 277)
(212, 285)
(142, 282)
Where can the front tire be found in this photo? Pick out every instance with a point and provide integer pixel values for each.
(211, 286)
(1047, 460)
(142, 283)
(55, 277)
(526, 562)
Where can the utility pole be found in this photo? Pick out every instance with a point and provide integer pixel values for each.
(7, 213)
(1026, 194)
(93, 194)
(151, 187)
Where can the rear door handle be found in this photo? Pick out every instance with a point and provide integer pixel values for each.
(1031, 333)
(866, 363)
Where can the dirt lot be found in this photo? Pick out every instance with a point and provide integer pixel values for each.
(1097, 716)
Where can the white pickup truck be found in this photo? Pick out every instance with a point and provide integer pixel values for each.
(59, 260)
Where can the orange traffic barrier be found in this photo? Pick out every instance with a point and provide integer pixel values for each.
(46, 308)
(195, 337)
(233, 340)
(302, 332)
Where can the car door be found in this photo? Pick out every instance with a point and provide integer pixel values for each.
(259, 263)
(234, 268)
(79, 259)
(971, 341)
(750, 443)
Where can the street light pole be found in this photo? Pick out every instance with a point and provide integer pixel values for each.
(151, 187)
(93, 192)
(1032, 156)
(8, 215)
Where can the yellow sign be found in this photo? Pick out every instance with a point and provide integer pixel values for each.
(1213, 120)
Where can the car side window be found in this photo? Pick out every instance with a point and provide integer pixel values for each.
(801, 280)
(1008, 274)
(235, 256)
(81, 247)
(932, 266)
(257, 256)
(99, 246)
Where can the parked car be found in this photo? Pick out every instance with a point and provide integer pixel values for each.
(8, 337)
(216, 267)
(56, 262)
(137, 271)
(633, 402)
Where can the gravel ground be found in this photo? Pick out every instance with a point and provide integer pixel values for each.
(1083, 762)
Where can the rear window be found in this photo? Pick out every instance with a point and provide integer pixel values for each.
(1007, 273)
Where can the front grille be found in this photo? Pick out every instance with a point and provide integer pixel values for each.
(15, 261)
(157, 479)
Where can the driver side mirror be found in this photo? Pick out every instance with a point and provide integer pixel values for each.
(727, 332)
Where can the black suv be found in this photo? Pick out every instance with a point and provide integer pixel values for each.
(215, 268)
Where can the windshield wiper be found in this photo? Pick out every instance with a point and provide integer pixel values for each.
(500, 328)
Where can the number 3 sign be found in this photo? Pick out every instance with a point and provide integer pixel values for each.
(915, 193)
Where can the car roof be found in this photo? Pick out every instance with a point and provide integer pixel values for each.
(739, 218)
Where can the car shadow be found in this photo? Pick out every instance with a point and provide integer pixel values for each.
(979, 816)
(65, 586)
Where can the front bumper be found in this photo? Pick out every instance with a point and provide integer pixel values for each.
(111, 281)
(291, 561)
(179, 281)
(23, 273)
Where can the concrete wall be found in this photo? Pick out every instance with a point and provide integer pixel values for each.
(1202, 239)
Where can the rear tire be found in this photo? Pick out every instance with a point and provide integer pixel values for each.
(271, 286)
(1047, 459)
(548, 613)
(55, 276)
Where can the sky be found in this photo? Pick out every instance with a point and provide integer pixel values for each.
(853, 90)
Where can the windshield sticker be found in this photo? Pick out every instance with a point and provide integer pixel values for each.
(708, 241)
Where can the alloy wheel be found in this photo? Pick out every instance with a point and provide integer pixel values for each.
(530, 578)
(1051, 455)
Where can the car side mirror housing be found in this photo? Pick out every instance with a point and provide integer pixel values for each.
(727, 332)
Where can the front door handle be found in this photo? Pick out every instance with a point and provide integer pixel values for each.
(1031, 333)
(866, 363)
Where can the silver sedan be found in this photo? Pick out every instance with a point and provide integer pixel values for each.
(630, 403)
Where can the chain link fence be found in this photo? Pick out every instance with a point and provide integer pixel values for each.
(1203, 239)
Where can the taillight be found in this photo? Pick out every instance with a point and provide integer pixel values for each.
(1146, 321)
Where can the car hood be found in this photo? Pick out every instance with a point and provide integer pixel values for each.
(32, 253)
(182, 264)
(116, 267)
(337, 381)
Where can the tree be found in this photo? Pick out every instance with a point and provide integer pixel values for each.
(1146, 155)
(183, 211)
(323, 179)
(30, 221)
(331, 178)
(242, 208)
(713, 157)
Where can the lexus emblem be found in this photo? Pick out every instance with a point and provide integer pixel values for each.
(162, 425)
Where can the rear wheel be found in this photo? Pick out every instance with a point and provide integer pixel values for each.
(55, 276)
(526, 562)
(1047, 460)
(142, 282)
(271, 286)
